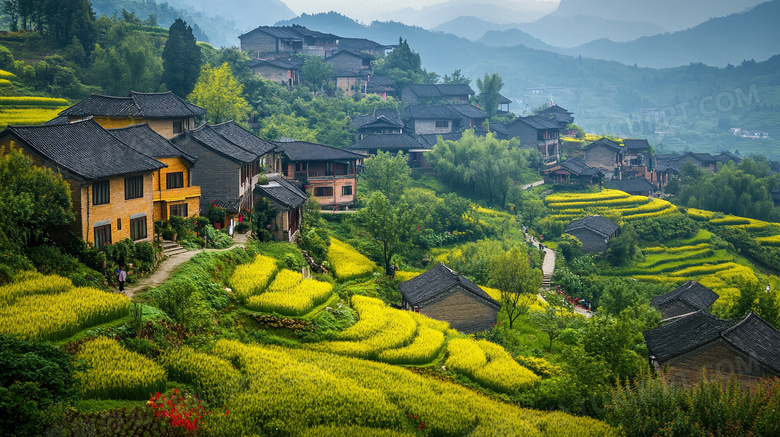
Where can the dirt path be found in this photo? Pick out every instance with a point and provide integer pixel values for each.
(165, 269)
(531, 185)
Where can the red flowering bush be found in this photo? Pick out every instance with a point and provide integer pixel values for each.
(179, 411)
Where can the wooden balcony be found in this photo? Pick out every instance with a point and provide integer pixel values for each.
(176, 194)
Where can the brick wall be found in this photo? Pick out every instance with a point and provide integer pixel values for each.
(526, 134)
(464, 311)
(429, 127)
(273, 74)
(338, 198)
(259, 42)
(601, 157)
(591, 241)
(718, 360)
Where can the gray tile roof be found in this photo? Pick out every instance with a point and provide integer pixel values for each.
(637, 145)
(305, 151)
(469, 111)
(145, 140)
(283, 64)
(756, 338)
(560, 115)
(440, 90)
(430, 140)
(243, 138)
(684, 334)
(282, 193)
(538, 122)
(605, 142)
(84, 149)
(359, 44)
(577, 167)
(692, 293)
(208, 137)
(386, 142)
(443, 112)
(147, 105)
(595, 223)
(387, 117)
(631, 186)
(440, 279)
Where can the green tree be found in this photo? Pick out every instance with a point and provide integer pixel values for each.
(316, 72)
(220, 94)
(517, 281)
(181, 59)
(457, 78)
(390, 227)
(389, 174)
(622, 248)
(36, 202)
(489, 87)
(552, 322)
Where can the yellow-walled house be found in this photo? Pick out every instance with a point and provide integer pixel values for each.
(166, 113)
(173, 191)
(111, 183)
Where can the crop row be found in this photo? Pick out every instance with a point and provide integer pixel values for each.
(40, 314)
(346, 261)
(489, 364)
(32, 101)
(605, 194)
(6, 75)
(316, 392)
(210, 374)
(117, 373)
(631, 201)
(663, 249)
(28, 284)
(250, 279)
(296, 301)
(655, 205)
(27, 116)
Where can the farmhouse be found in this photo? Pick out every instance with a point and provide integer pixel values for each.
(288, 201)
(438, 93)
(560, 115)
(594, 232)
(572, 172)
(442, 119)
(166, 113)
(111, 184)
(173, 191)
(606, 155)
(284, 71)
(443, 294)
(685, 299)
(748, 349)
(382, 121)
(635, 187)
(539, 132)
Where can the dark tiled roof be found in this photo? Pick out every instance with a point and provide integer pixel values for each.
(229, 204)
(595, 223)
(440, 90)
(684, 334)
(636, 145)
(430, 112)
(384, 117)
(281, 32)
(557, 113)
(353, 53)
(427, 141)
(576, 167)
(436, 281)
(84, 148)
(667, 165)
(211, 139)
(704, 158)
(469, 111)
(304, 151)
(386, 142)
(455, 89)
(147, 105)
(692, 293)
(145, 140)
(502, 99)
(282, 193)
(282, 64)
(605, 142)
(726, 156)
(60, 119)
(359, 44)
(631, 186)
(243, 138)
(308, 32)
(538, 122)
(497, 126)
(756, 338)
(380, 83)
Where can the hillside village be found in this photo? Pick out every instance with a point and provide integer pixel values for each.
(430, 264)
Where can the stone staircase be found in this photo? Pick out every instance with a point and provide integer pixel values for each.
(170, 248)
(546, 281)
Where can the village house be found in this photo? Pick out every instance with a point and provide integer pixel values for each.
(439, 93)
(288, 201)
(351, 70)
(230, 160)
(594, 232)
(635, 187)
(572, 172)
(272, 41)
(561, 116)
(363, 45)
(606, 155)
(442, 119)
(284, 71)
(382, 86)
(111, 184)
(503, 106)
(747, 348)
(166, 113)
(381, 121)
(702, 160)
(443, 294)
(330, 173)
(539, 132)
(172, 189)
(683, 300)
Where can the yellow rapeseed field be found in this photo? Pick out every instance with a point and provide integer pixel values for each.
(489, 364)
(346, 261)
(250, 279)
(296, 301)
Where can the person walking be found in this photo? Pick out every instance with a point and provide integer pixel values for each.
(121, 277)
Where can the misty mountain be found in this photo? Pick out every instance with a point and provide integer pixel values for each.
(493, 11)
(473, 28)
(572, 31)
(330, 22)
(246, 14)
(750, 35)
(515, 37)
(671, 15)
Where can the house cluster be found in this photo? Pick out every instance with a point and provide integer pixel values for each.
(749, 133)
(691, 339)
(130, 161)
(273, 48)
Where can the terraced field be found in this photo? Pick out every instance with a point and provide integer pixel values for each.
(573, 206)
(28, 110)
(765, 233)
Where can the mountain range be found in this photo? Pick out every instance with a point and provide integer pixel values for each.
(430, 17)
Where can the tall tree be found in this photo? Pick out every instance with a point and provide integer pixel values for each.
(489, 87)
(517, 281)
(388, 173)
(181, 59)
(390, 226)
(316, 72)
(457, 78)
(220, 94)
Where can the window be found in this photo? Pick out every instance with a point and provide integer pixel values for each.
(102, 236)
(134, 187)
(346, 190)
(323, 191)
(328, 168)
(119, 224)
(138, 228)
(101, 192)
(174, 180)
(442, 123)
(179, 209)
(301, 166)
(177, 127)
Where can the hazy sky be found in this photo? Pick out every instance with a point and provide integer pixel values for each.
(345, 6)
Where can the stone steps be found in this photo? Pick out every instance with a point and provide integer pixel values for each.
(170, 248)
